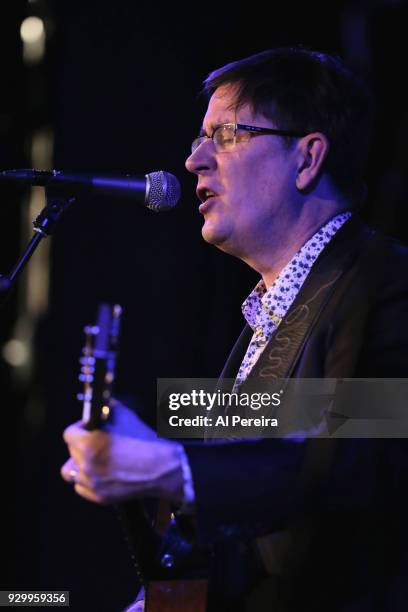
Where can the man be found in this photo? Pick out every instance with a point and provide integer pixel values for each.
(291, 524)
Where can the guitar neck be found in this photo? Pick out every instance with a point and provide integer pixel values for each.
(163, 593)
(97, 375)
(98, 365)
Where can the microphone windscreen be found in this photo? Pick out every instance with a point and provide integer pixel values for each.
(163, 191)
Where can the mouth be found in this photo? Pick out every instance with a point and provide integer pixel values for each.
(206, 197)
(204, 194)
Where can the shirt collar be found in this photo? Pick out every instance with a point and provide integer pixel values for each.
(265, 308)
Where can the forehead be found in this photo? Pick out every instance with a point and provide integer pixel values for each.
(222, 108)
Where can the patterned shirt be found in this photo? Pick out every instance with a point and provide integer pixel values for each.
(265, 308)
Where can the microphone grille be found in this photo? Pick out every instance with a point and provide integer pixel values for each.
(163, 191)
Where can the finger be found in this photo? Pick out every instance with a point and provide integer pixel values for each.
(70, 471)
(89, 494)
(77, 456)
(73, 475)
(73, 433)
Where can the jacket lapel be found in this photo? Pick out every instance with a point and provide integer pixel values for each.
(281, 353)
(237, 354)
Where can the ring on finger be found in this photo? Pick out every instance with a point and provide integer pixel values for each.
(73, 473)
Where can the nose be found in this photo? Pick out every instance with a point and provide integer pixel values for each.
(202, 159)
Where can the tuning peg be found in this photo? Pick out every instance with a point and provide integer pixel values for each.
(87, 360)
(91, 329)
(85, 377)
(84, 397)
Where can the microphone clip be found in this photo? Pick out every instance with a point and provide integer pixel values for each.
(57, 204)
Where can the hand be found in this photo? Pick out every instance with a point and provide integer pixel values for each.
(109, 467)
(125, 421)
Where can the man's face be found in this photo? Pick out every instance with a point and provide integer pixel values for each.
(254, 184)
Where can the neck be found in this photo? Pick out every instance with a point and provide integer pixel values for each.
(272, 254)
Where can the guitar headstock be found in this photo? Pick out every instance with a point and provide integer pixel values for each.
(98, 364)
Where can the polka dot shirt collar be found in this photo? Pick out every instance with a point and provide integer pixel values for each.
(265, 308)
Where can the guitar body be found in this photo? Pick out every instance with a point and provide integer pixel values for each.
(159, 558)
(176, 595)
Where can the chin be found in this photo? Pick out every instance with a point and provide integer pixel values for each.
(213, 234)
(218, 237)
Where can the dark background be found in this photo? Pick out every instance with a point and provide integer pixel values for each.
(118, 86)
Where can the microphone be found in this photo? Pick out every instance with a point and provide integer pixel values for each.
(158, 190)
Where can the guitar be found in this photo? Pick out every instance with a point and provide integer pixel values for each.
(160, 553)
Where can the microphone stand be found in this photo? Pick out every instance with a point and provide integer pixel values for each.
(56, 203)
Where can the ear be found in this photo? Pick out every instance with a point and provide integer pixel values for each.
(313, 150)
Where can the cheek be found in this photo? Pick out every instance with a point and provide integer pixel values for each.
(239, 182)
(273, 182)
(257, 178)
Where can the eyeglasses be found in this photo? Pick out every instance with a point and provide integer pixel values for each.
(226, 135)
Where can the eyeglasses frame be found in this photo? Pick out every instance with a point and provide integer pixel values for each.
(255, 130)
